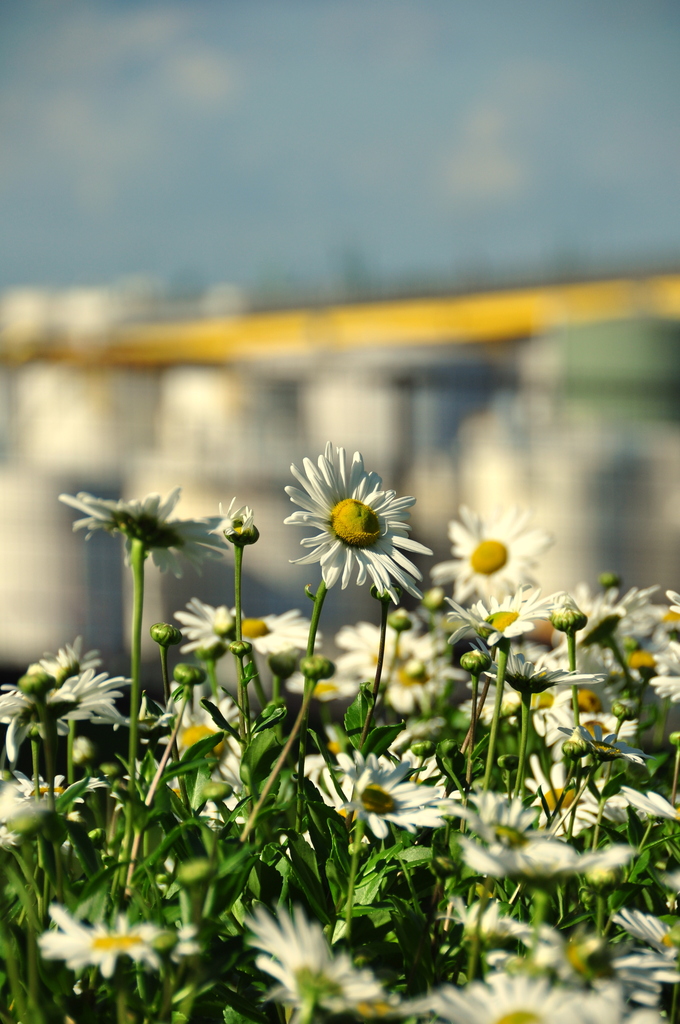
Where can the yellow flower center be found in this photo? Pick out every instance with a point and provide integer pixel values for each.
(641, 659)
(501, 620)
(116, 943)
(378, 1009)
(519, 1017)
(44, 790)
(671, 617)
(355, 523)
(254, 628)
(545, 700)
(488, 557)
(588, 700)
(321, 689)
(376, 800)
(334, 747)
(510, 836)
(193, 733)
(667, 940)
(590, 726)
(553, 795)
(413, 673)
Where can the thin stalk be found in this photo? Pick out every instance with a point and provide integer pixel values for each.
(70, 767)
(571, 648)
(660, 726)
(310, 684)
(384, 601)
(163, 651)
(35, 752)
(243, 715)
(472, 730)
(138, 555)
(476, 944)
(257, 682)
(503, 651)
(676, 772)
(354, 865)
(523, 742)
(480, 707)
(211, 672)
(539, 907)
(13, 971)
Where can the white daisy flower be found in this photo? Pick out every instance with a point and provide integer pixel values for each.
(492, 556)
(307, 972)
(148, 520)
(511, 702)
(651, 805)
(69, 661)
(522, 674)
(80, 945)
(361, 524)
(648, 928)
(667, 682)
(540, 859)
(361, 643)
(494, 928)
(632, 614)
(498, 819)
(607, 747)
(510, 617)
(273, 634)
(504, 999)
(205, 627)
(674, 599)
(83, 697)
(557, 718)
(380, 794)
(337, 688)
(26, 787)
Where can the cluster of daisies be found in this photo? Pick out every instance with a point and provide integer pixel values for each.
(468, 814)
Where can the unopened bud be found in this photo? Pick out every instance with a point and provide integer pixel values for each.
(568, 619)
(217, 790)
(475, 662)
(213, 652)
(97, 837)
(242, 537)
(195, 872)
(574, 748)
(165, 942)
(383, 595)
(400, 620)
(508, 762)
(37, 684)
(240, 648)
(283, 663)
(84, 751)
(316, 667)
(423, 748)
(607, 580)
(165, 634)
(188, 675)
(448, 748)
(603, 880)
(674, 738)
(434, 599)
(111, 769)
(623, 711)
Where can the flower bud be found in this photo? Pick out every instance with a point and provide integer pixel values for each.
(316, 667)
(195, 872)
(400, 620)
(603, 880)
(508, 762)
(423, 748)
(241, 536)
(211, 653)
(623, 711)
(568, 619)
(674, 738)
(434, 599)
(84, 751)
(164, 943)
(165, 634)
(382, 595)
(37, 684)
(475, 662)
(111, 769)
(283, 663)
(217, 790)
(574, 749)
(239, 648)
(97, 837)
(607, 580)
(188, 675)
(448, 748)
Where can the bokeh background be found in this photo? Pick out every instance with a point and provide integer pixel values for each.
(444, 233)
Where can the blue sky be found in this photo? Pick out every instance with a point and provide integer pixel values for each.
(251, 141)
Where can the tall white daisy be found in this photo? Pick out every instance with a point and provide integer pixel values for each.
(149, 521)
(361, 525)
(503, 999)
(652, 805)
(543, 859)
(205, 627)
(81, 946)
(508, 618)
(493, 555)
(273, 634)
(69, 661)
(309, 976)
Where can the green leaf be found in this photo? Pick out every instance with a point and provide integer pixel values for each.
(196, 781)
(67, 798)
(379, 739)
(634, 830)
(241, 1009)
(269, 717)
(202, 748)
(306, 871)
(82, 844)
(355, 716)
(217, 717)
(258, 759)
(640, 865)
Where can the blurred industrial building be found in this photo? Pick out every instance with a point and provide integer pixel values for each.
(563, 397)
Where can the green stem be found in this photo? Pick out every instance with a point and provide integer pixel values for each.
(476, 944)
(571, 648)
(211, 671)
(540, 904)
(503, 651)
(164, 672)
(473, 727)
(306, 700)
(523, 742)
(243, 713)
(660, 726)
(676, 772)
(138, 555)
(356, 849)
(257, 682)
(385, 604)
(70, 767)
(35, 752)
(13, 971)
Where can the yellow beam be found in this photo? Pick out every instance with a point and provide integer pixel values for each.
(464, 319)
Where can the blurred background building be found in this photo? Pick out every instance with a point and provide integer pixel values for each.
(450, 234)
